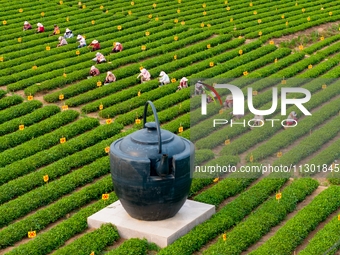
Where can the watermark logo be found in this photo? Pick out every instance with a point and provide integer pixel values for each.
(238, 100)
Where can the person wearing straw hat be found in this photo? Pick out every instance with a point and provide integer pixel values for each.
(183, 83)
(94, 71)
(199, 88)
(110, 77)
(144, 75)
(62, 41)
(99, 58)
(56, 30)
(211, 96)
(164, 78)
(258, 120)
(292, 119)
(118, 47)
(81, 40)
(94, 45)
(228, 101)
(40, 28)
(68, 33)
(26, 26)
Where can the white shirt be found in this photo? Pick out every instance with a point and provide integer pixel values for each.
(68, 35)
(145, 73)
(198, 86)
(164, 79)
(63, 42)
(82, 41)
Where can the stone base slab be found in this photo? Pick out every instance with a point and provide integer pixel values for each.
(162, 232)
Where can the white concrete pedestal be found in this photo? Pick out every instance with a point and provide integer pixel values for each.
(162, 232)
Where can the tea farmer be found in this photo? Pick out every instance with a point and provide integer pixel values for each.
(211, 97)
(94, 45)
(199, 88)
(229, 101)
(81, 41)
(56, 30)
(164, 78)
(94, 71)
(62, 41)
(110, 77)
(68, 33)
(183, 83)
(145, 75)
(292, 119)
(258, 120)
(26, 26)
(99, 58)
(40, 28)
(118, 47)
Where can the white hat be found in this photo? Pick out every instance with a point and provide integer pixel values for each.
(162, 73)
(144, 71)
(117, 43)
(79, 37)
(98, 54)
(67, 30)
(93, 67)
(60, 38)
(39, 25)
(184, 79)
(26, 23)
(109, 73)
(94, 41)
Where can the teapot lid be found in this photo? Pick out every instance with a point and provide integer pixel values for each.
(149, 140)
(148, 135)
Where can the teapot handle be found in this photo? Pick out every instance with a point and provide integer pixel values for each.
(156, 121)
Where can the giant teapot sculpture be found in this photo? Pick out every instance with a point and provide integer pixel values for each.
(152, 171)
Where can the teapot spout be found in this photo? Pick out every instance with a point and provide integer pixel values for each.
(163, 167)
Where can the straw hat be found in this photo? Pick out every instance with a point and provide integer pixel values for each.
(93, 67)
(67, 30)
(94, 41)
(39, 25)
(26, 23)
(79, 37)
(184, 79)
(60, 38)
(98, 54)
